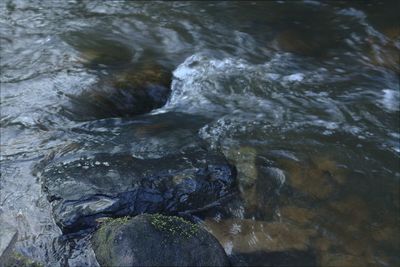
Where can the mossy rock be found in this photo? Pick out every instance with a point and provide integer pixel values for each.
(156, 240)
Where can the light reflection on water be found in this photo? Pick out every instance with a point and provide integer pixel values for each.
(302, 96)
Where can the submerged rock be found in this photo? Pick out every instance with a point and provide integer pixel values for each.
(99, 50)
(304, 43)
(257, 183)
(259, 243)
(156, 240)
(249, 236)
(85, 187)
(315, 178)
(133, 92)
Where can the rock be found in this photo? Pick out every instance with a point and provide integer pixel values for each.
(133, 92)
(156, 240)
(99, 50)
(257, 183)
(8, 237)
(352, 209)
(249, 236)
(83, 187)
(345, 260)
(315, 179)
(244, 158)
(385, 56)
(299, 215)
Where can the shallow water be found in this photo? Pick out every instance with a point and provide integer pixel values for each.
(303, 97)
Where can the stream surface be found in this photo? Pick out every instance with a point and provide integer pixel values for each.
(302, 93)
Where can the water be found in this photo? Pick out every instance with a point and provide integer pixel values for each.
(305, 94)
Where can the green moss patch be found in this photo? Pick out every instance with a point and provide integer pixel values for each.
(19, 260)
(173, 225)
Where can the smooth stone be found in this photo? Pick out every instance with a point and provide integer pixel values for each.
(156, 240)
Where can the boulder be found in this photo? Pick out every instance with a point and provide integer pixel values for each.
(135, 91)
(156, 240)
(86, 186)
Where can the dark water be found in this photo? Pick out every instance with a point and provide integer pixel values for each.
(305, 94)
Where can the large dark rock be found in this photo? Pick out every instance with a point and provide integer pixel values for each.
(156, 240)
(136, 90)
(83, 187)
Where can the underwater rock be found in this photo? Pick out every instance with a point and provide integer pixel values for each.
(317, 177)
(257, 183)
(248, 236)
(301, 42)
(84, 187)
(156, 240)
(244, 158)
(277, 258)
(99, 50)
(132, 92)
(302, 216)
(345, 260)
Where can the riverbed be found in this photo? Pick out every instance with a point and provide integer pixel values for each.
(302, 97)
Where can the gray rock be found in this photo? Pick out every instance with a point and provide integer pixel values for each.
(156, 240)
(8, 237)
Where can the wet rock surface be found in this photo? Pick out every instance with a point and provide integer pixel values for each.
(85, 187)
(18, 260)
(8, 237)
(171, 240)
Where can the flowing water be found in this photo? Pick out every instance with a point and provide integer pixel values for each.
(301, 93)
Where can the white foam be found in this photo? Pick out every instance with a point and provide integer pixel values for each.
(296, 77)
(391, 99)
